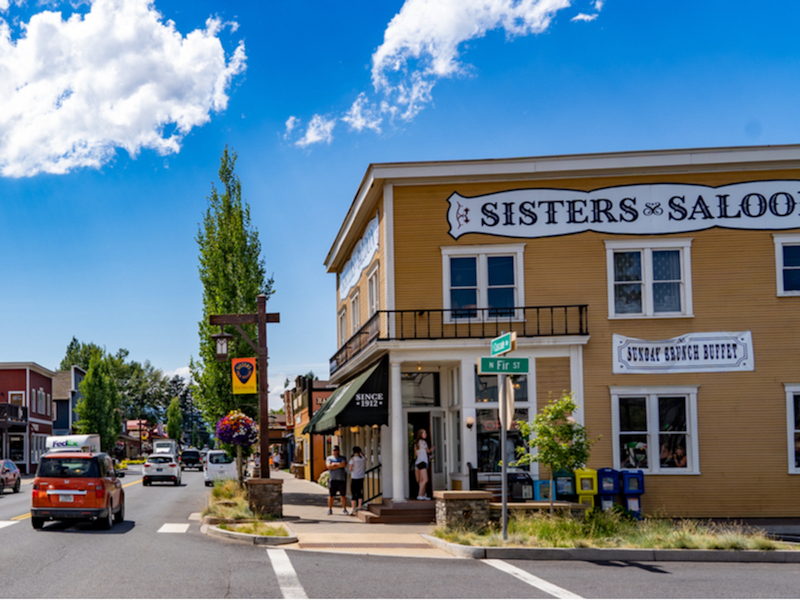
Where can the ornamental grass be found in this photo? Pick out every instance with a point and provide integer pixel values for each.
(611, 529)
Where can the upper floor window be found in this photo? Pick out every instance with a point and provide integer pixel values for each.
(373, 293)
(342, 327)
(787, 263)
(655, 429)
(355, 314)
(649, 278)
(483, 277)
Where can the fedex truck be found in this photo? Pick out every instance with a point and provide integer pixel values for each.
(73, 443)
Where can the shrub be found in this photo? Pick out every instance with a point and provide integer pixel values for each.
(325, 479)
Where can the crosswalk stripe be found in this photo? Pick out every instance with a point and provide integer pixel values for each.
(174, 528)
(7, 523)
(287, 577)
(537, 582)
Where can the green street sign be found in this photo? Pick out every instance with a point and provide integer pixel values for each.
(492, 365)
(505, 343)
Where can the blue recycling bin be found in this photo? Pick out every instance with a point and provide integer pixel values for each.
(632, 488)
(541, 489)
(607, 488)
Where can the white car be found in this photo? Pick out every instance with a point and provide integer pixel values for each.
(218, 465)
(161, 467)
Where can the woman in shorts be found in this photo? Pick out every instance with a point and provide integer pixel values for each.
(421, 463)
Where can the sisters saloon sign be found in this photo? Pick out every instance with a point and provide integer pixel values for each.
(635, 209)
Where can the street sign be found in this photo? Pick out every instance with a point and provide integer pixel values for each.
(505, 343)
(491, 365)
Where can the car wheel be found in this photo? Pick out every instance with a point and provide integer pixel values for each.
(145, 481)
(37, 522)
(120, 516)
(108, 521)
(177, 481)
(17, 485)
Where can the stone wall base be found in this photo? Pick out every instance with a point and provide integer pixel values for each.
(266, 496)
(462, 509)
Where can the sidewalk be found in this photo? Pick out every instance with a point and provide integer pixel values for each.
(305, 511)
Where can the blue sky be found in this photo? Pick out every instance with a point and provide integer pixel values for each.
(115, 112)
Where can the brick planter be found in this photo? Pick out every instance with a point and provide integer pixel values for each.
(462, 509)
(266, 496)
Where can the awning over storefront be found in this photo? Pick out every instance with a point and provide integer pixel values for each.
(361, 401)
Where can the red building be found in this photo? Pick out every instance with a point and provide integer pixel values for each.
(26, 412)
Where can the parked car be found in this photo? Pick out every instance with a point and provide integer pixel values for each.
(218, 465)
(192, 459)
(77, 486)
(10, 476)
(161, 467)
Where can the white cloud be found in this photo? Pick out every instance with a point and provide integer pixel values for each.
(363, 116)
(319, 130)
(184, 372)
(119, 76)
(422, 44)
(584, 17)
(291, 123)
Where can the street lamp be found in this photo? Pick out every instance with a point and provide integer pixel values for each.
(221, 339)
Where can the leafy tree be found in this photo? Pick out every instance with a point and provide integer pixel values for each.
(560, 441)
(233, 275)
(80, 354)
(98, 410)
(174, 419)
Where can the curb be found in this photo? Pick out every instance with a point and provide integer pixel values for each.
(257, 540)
(616, 554)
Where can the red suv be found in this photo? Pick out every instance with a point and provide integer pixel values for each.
(9, 476)
(80, 486)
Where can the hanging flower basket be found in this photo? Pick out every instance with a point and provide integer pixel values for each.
(238, 429)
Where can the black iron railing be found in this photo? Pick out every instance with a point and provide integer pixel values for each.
(13, 413)
(372, 483)
(464, 323)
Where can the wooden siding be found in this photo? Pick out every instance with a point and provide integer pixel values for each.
(741, 416)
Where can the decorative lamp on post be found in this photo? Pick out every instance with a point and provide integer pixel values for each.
(221, 339)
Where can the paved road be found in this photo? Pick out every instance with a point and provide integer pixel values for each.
(159, 551)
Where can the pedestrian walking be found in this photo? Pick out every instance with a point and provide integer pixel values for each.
(358, 468)
(337, 482)
(421, 463)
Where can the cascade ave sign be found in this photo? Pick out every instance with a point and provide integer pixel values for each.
(505, 343)
(491, 365)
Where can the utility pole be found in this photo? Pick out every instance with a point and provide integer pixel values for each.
(260, 319)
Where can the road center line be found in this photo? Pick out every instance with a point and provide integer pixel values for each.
(287, 577)
(536, 582)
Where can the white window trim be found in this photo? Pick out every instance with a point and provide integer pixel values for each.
(355, 313)
(481, 253)
(781, 239)
(342, 326)
(791, 390)
(684, 245)
(13, 392)
(373, 291)
(692, 443)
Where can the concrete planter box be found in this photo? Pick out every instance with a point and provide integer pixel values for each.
(258, 540)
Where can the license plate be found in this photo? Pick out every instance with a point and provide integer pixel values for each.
(159, 470)
(66, 498)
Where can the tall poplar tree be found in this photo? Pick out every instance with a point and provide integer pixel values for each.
(233, 275)
(98, 410)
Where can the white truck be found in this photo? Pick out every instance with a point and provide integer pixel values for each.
(73, 443)
(166, 447)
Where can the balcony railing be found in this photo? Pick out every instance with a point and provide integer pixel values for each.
(13, 414)
(464, 323)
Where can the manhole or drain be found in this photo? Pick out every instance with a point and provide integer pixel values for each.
(361, 545)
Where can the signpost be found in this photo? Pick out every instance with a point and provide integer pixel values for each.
(504, 368)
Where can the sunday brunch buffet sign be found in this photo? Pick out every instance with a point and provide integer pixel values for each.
(634, 209)
(690, 353)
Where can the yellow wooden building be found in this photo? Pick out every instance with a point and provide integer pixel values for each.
(661, 288)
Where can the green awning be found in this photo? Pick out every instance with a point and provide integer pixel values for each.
(361, 401)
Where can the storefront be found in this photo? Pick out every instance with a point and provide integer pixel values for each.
(660, 289)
